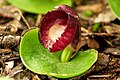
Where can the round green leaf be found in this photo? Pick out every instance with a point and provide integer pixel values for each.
(38, 6)
(39, 60)
(115, 5)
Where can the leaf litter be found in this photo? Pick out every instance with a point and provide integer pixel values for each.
(106, 40)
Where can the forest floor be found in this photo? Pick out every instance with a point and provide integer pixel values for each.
(100, 30)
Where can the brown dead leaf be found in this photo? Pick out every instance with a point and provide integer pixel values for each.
(112, 29)
(92, 43)
(35, 77)
(113, 62)
(52, 78)
(15, 70)
(9, 41)
(10, 12)
(5, 51)
(116, 41)
(13, 16)
(26, 75)
(102, 61)
(5, 20)
(105, 17)
(12, 26)
(77, 2)
(113, 51)
(6, 33)
(96, 8)
(8, 66)
(81, 43)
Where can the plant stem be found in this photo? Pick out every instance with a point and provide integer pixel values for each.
(66, 54)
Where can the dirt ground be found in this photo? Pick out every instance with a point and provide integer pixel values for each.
(100, 30)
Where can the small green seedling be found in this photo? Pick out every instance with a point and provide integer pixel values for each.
(95, 27)
(87, 13)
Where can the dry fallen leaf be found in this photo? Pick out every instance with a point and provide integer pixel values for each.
(116, 41)
(10, 12)
(105, 17)
(92, 43)
(8, 66)
(35, 77)
(9, 41)
(102, 61)
(77, 1)
(5, 51)
(112, 29)
(11, 18)
(15, 70)
(113, 51)
(96, 8)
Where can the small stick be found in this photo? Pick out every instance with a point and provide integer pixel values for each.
(97, 34)
(24, 19)
(84, 30)
(39, 17)
(100, 76)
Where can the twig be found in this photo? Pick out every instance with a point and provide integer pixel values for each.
(38, 20)
(84, 30)
(97, 34)
(24, 19)
(100, 76)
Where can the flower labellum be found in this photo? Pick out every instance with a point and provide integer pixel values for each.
(59, 28)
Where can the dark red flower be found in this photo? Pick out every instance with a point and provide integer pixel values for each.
(59, 28)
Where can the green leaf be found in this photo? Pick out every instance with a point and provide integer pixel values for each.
(88, 13)
(39, 60)
(96, 27)
(38, 6)
(115, 7)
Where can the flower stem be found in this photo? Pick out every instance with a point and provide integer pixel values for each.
(66, 54)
